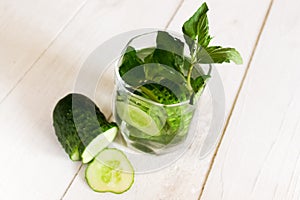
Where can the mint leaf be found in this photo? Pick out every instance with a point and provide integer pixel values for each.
(167, 58)
(167, 42)
(196, 28)
(168, 51)
(130, 60)
(218, 54)
(129, 70)
(199, 82)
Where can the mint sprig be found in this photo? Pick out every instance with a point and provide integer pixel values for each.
(196, 33)
(169, 51)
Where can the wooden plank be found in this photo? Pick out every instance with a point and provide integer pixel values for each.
(34, 165)
(259, 157)
(183, 179)
(27, 28)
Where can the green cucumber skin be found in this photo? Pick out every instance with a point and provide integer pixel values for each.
(90, 122)
(111, 191)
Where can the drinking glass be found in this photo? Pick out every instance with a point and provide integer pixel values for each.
(147, 123)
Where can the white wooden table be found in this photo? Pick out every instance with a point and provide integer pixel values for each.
(44, 43)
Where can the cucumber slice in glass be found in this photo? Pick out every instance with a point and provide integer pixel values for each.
(137, 118)
(110, 171)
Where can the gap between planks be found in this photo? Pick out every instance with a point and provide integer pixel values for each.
(43, 52)
(174, 14)
(71, 182)
(110, 116)
(236, 97)
(34, 63)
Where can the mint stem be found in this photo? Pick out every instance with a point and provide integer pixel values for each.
(193, 62)
(149, 94)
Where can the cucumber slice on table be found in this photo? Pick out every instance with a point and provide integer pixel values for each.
(110, 171)
(81, 128)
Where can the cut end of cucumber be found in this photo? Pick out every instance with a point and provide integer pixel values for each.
(98, 144)
(110, 171)
(137, 118)
(75, 156)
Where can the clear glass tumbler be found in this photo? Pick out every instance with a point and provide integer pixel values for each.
(153, 104)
